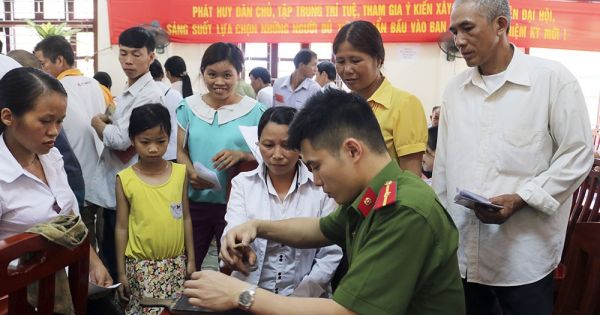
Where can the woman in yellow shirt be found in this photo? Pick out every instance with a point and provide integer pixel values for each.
(154, 229)
(359, 56)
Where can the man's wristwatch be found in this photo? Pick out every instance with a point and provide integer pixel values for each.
(246, 298)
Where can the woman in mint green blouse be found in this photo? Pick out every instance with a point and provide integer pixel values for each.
(209, 134)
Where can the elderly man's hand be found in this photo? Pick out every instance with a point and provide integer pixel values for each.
(510, 203)
(214, 290)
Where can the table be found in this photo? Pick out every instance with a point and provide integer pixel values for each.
(231, 312)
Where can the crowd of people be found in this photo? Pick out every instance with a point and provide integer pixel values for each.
(350, 209)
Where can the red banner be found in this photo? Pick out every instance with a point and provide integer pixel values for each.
(536, 23)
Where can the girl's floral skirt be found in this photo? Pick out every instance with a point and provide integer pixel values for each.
(161, 279)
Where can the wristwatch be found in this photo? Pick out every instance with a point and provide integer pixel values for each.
(246, 298)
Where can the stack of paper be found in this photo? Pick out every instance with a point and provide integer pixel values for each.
(250, 134)
(472, 200)
(208, 175)
(94, 289)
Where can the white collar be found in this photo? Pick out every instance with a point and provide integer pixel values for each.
(287, 81)
(303, 85)
(10, 169)
(139, 84)
(516, 72)
(304, 176)
(226, 113)
(164, 88)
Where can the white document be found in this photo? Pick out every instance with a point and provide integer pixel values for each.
(471, 200)
(250, 134)
(94, 289)
(208, 175)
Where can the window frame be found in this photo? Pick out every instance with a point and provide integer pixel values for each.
(86, 25)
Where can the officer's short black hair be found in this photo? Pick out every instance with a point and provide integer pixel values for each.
(137, 37)
(328, 68)
(56, 46)
(304, 56)
(262, 73)
(330, 117)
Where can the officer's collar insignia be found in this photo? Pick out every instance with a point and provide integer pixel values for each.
(367, 202)
(371, 201)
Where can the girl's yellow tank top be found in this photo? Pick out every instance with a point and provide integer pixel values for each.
(156, 229)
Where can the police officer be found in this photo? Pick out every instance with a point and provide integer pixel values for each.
(401, 243)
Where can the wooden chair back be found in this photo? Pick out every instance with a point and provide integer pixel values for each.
(586, 204)
(46, 259)
(580, 291)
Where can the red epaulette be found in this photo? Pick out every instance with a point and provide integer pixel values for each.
(386, 195)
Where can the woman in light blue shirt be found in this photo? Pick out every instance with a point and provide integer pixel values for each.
(209, 134)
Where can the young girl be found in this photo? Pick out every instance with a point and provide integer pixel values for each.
(153, 229)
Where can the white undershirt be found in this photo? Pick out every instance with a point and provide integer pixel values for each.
(494, 81)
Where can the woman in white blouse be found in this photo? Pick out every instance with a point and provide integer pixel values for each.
(280, 188)
(33, 183)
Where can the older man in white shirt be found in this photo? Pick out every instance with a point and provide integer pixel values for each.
(515, 129)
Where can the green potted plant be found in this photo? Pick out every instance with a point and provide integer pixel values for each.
(49, 29)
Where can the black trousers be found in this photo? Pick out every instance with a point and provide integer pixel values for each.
(208, 222)
(108, 251)
(534, 298)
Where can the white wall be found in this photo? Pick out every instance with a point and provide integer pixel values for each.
(421, 69)
(584, 65)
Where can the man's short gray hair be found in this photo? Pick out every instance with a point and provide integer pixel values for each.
(490, 8)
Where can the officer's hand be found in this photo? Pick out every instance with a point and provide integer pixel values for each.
(510, 203)
(213, 290)
(236, 252)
